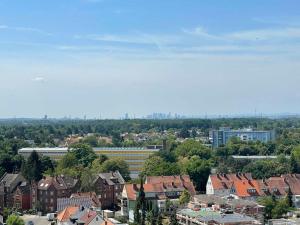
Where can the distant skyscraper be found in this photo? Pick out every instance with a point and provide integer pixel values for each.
(126, 117)
(224, 134)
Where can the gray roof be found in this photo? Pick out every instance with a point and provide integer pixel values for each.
(9, 178)
(112, 178)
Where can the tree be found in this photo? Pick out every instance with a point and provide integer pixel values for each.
(173, 219)
(184, 197)
(142, 202)
(156, 166)
(47, 165)
(115, 164)
(281, 208)
(97, 163)
(159, 219)
(289, 198)
(32, 169)
(198, 170)
(293, 164)
(87, 180)
(184, 133)
(191, 147)
(14, 220)
(83, 153)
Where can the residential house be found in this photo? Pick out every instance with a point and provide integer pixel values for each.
(8, 184)
(49, 189)
(109, 187)
(78, 215)
(21, 196)
(158, 190)
(243, 186)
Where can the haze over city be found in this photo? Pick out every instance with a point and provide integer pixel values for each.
(111, 57)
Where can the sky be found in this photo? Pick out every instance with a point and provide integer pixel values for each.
(105, 58)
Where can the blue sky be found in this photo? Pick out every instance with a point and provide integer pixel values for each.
(109, 57)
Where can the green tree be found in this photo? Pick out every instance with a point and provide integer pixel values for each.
(84, 154)
(159, 219)
(14, 220)
(184, 197)
(191, 148)
(173, 219)
(87, 180)
(198, 170)
(289, 198)
(97, 163)
(115, 164)
(157, 166)
(281, 208)
(32, 169)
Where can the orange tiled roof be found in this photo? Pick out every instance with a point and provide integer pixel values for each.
(88, 217)
(64, 215)
(160, 185)
(246, 186)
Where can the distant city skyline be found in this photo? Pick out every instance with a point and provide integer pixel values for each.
(111, 57)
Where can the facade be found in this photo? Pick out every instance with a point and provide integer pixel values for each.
(243, 186)
(134, 156)
(50, 189)
(21, 196)
(223, 135)
(8, 185)
(109, 187)
(158, 190)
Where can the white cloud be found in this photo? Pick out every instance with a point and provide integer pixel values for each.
(200, 32)
(39, 79)
(266, 34)
(138, 38)
(25, 29)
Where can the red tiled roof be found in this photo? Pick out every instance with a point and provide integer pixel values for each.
(88, 217)
(64, 215)
(245, 186)
(162, 184)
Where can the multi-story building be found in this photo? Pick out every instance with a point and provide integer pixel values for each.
(8, 185)
(109, 187)
(158, 189)
(223, 135)
(133, 156)
(49, 189)
(22, 196)
(243, 186)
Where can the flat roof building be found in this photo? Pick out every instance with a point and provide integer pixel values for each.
(133, 156)
(223, 135)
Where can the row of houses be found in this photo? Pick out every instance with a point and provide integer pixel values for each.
(244, 186)
(50, 192)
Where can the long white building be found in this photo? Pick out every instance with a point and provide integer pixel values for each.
(134, 156)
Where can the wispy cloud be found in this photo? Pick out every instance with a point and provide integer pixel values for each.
(200, 32)
(138, 38)
(39, 79)
(266, 34)
(25, 29)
